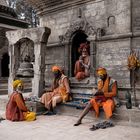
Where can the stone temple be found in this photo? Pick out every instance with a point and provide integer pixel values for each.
(111, 26)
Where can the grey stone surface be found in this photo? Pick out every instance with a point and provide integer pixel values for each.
(61, 127)
(113, 56)
(111, 22)
(108, 25)
(110, 54)
(39, 37)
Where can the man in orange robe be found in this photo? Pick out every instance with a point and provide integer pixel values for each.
(16, 109)
(82, 65)
(60, 90)
(104, 97)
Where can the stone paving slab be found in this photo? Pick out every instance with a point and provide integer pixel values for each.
(60, 127)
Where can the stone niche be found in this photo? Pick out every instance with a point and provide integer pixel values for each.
(32, 42)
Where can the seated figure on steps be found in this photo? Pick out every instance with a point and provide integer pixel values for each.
(82, 66)
(60, 91)
(16, 109)
(104, 96)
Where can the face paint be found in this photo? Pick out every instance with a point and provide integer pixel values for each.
(20, 88)
(56, 74)
(103, 77)
(84, 52)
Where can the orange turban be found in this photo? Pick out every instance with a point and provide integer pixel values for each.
(101, 71)
(56, 68)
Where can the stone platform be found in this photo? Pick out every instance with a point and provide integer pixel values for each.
(58, 127)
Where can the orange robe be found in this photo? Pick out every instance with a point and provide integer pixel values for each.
(59, 94)
(16, 109)
(109, 88)
(80, 71)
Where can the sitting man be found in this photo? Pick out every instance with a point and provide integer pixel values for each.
(16, 109)
(82, 65)
(60, 91)
(104, 97)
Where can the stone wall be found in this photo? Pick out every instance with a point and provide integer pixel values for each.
(112, 55)
(111, 15)
(136, 15)
(96, 12)
(136, 47)
(53, 58)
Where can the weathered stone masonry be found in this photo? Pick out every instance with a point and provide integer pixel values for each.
(112, 27)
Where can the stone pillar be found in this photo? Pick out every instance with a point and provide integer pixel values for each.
(40, 37)
(12, 58)
(92, 58)
(39, 68)
(67, 59)
(0, 65)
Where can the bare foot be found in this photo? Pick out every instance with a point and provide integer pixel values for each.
(78, 123)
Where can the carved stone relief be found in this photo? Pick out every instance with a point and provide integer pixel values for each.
(80, 23)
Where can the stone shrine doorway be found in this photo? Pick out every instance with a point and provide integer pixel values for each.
(5, 65)
(78, 38)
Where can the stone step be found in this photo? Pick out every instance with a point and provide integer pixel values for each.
(4, 80)
(120, 115)
(3, 85)
(3, 103)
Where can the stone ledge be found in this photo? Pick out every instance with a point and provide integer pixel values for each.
(120, 116)
(37, 107)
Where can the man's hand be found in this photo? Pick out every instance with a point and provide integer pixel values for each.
(70, 96)
(81, 59)
(98, 93)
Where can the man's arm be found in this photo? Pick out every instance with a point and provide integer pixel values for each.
(66, 83)
(113, 93)
(20, 103)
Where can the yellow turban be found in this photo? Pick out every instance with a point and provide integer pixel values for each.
(101, 71)
(17, 83)
(56, 68)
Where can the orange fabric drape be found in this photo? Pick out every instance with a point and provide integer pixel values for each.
(108, 105)
(16, 109)
(79, 71)
(61, 92)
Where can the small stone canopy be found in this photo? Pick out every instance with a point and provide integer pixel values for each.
(34, 34)
(40, 37)
(79, 24)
